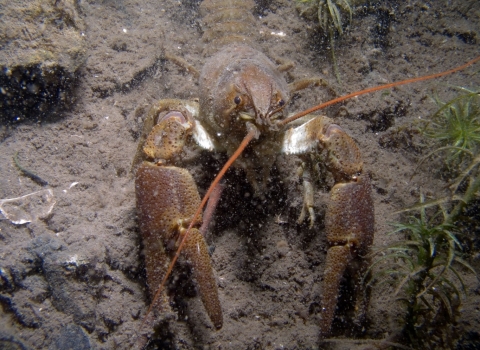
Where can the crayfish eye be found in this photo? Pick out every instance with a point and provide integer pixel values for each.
(237, 100)
(281, 103)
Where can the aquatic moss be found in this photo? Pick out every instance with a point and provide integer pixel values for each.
(455, 127)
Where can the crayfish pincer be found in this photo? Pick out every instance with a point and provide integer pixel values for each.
(167, 198)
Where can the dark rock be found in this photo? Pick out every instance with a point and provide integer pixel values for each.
(72, 337)
(42, 48)
(69, 276)
(9, 342)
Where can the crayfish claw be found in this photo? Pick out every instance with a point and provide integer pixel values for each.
(196, 251)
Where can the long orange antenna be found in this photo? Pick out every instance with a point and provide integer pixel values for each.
(217, 179)
(376, 88)
(210, 208)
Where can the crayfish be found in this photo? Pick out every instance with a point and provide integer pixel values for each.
(241, 110)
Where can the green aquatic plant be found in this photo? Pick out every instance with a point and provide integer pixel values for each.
(425, 266)
(425, 270)
(331, 18)
(329, 14)
(455, 127)
(455, 131)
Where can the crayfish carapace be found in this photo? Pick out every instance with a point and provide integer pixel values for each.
(242, 106)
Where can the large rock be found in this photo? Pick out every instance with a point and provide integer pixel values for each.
(42, 46)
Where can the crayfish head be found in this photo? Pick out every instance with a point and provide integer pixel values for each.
(240, 85)
(260, 96)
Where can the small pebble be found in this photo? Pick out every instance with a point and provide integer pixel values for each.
(282, 248)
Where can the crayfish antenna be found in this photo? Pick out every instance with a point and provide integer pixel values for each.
(377, 88)
(210, 208)
(253, 133)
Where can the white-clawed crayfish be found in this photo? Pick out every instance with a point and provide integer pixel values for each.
(241, 107)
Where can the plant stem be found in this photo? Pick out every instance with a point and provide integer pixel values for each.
(472, 189)
(332, 51)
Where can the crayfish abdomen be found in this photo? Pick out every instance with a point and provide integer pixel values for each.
(226, 22)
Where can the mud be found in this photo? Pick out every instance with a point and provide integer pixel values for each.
(79, 273)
